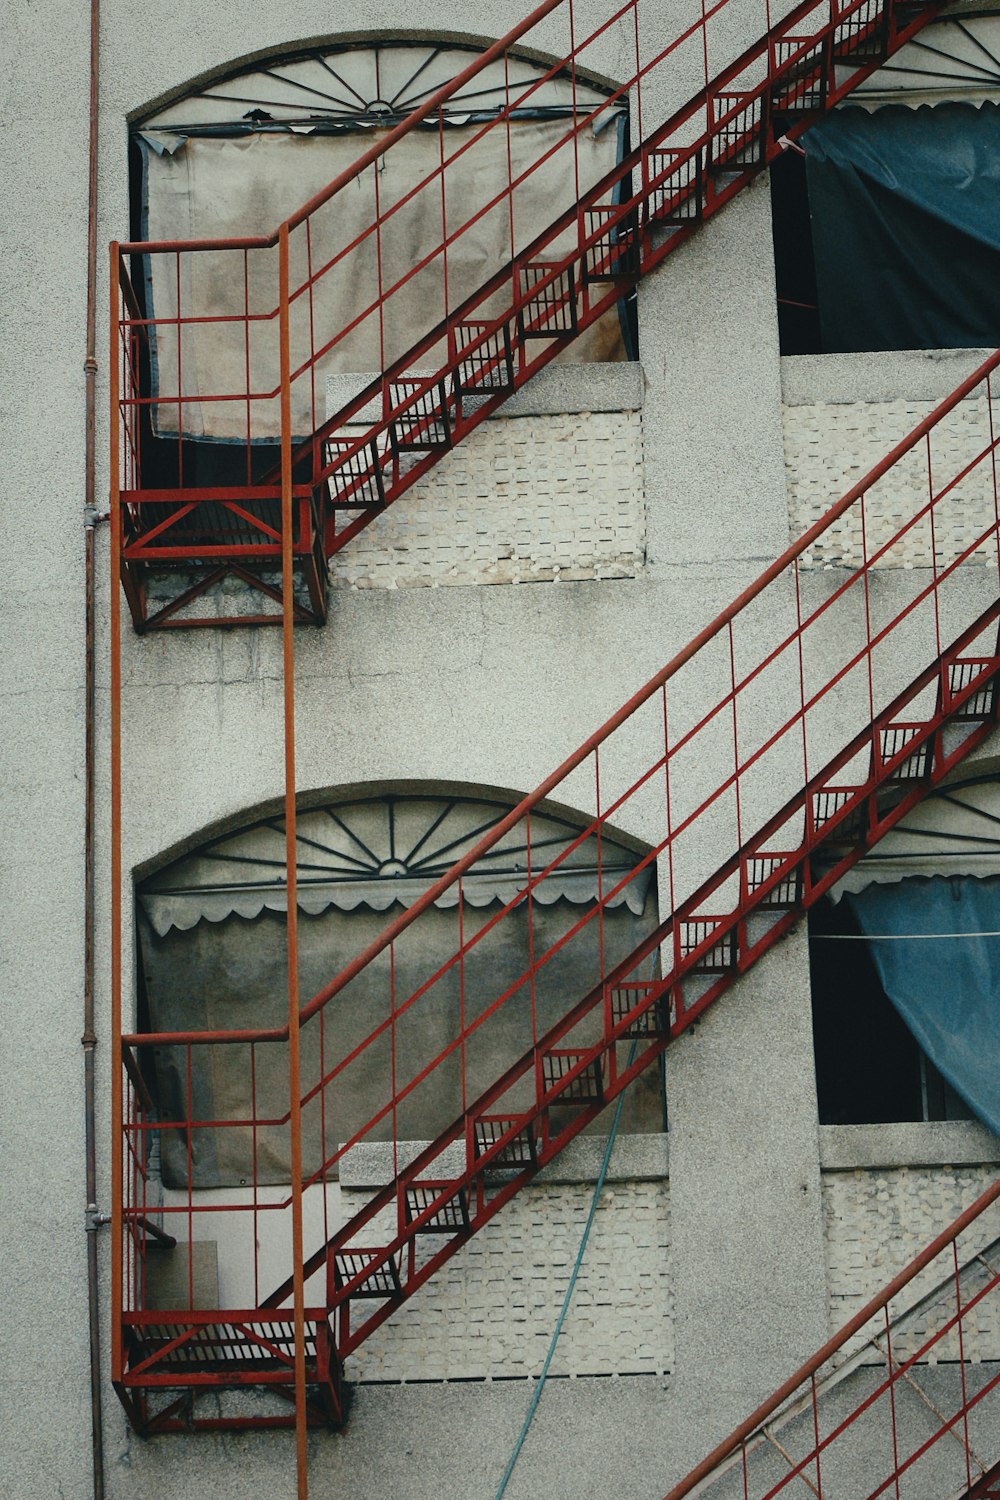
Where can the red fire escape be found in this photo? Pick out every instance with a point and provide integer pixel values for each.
(816, 747)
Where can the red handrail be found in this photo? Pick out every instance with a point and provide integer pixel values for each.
(746, 1429)
(720, 623)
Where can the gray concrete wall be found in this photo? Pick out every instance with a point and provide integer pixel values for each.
(475, 685)
(44, 1402)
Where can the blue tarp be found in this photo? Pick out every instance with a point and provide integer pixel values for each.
(947, 989)
(905, 209)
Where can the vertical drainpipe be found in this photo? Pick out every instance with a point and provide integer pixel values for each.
(89, 1038)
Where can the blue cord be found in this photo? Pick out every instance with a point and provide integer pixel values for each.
(540, 1385)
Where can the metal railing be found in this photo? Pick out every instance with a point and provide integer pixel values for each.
(749, 773)
(893, 1403)
(230, 315)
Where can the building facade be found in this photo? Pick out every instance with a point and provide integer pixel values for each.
(477, 633)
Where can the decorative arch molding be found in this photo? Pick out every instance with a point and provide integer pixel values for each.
(362, 82)
(954, 831)
(212, 958)
(956, 57)
(383, 846)
(239, 154)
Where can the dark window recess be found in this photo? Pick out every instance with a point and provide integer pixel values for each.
(794, 260)
(885, 232)
(869, 1068)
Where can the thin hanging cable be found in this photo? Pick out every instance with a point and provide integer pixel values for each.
(540, 1384)
(894, 937)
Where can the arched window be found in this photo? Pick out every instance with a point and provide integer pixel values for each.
(212, 949)
(237, 155)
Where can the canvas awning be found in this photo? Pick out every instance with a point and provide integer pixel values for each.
(222, 186)
(377, 853)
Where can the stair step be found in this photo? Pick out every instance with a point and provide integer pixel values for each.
(448, 1199)
(804, 74)
(829, 802)
(614, 253)
(863, 36)
(719, 956)
(423, 425)
(517, 1132)
(624, 1000)
(483, 358)
(376, 1274)
(576, 1084)
(217, 1345)
(547, 301)
(959, 676)
(738, 135)
(892, 742)
(675, 187)
(786, 892)
(355, 479)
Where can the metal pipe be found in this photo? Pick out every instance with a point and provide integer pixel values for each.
(89, 1038)
(291, 862)
(115, 767)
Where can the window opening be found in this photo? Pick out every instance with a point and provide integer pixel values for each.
(885, 231)
(240, 153)
(212, 934)
(869, 1068)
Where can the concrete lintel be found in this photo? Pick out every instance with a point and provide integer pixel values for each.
(554, 391)
(877, 375)
(636, 1158)
(930, 1143)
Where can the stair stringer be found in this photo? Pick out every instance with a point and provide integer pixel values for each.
(350, 469)
(666, 1009)
(899, 1356)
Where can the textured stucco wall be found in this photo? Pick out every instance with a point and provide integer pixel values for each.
(44, 1437)
(878, 1219)
(490, 1314)
(471, 684)
(843, 413)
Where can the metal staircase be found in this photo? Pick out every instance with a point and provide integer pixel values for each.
(779, 734)
(182, 537)
(898, 1402)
